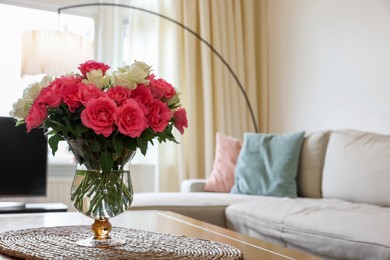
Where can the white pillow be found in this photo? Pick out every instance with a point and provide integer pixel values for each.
(311, 164)
(357, 167)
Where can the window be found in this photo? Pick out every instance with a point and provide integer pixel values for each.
(26, 19)
(22, 20)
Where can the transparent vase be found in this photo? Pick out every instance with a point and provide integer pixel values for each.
(100, 194)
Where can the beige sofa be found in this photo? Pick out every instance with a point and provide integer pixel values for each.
(343, 205)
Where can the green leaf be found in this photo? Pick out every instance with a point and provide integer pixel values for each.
(118, 144)
(148, 134)
(143, 145)
(130, 144)
(106, 162)
(20, 122)
(81, 129)
(95, 146)
(72, 129)
(53, 142)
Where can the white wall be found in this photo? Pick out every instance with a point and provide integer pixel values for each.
(329, 65)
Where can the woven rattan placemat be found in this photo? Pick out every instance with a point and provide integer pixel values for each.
(59, 243)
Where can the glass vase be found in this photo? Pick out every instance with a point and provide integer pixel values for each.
(100, 194)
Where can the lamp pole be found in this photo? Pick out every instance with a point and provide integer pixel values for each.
(240, 86)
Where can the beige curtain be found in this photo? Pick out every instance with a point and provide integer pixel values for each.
(152, 39)
(237, 29)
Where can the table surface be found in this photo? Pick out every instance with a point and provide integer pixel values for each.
(33, 208)
(157, 221)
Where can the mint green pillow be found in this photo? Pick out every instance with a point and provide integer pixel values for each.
(268, 164)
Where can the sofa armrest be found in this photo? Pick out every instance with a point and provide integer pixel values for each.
(193, 185)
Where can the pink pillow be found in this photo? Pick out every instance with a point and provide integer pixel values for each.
(226, 153)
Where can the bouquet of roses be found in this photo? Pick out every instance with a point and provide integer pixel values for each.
(104, 118)
(127, 109)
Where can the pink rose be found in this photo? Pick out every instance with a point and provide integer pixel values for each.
(52, 94)
(160, 88)
(92, 65)
(159, 115)
(37, 115)
(63, 82)
(130, 119)
(119, 94)
(143, 95)
(70, 96)
(99, 115)
(88, 92)
(180, 119)
(49, 97)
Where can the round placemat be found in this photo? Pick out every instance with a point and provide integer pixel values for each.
(59, 243)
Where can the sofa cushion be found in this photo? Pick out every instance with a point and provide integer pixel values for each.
(341, 230)
(357, 167)
(204, 206)
(329, 228)
(262, 218)
(267, 164)
(311, 163)
(226, 152)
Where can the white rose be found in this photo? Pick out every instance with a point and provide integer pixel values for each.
(46, 80)
(96, 78)
(138, 74)
(130, 76)
(33, 90)
(143, 66)
(123, 78)
(175, 100)
(21, 109)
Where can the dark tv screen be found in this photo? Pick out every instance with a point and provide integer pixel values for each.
(23, 160)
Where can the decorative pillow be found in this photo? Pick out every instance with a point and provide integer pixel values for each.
(267, 164)
(311, 163)
(226, 153)
(357, 166)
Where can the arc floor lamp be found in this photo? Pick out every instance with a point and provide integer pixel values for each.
(214, 51)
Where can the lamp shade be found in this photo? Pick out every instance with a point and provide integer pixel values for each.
(53, 52)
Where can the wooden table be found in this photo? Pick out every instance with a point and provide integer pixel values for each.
(34, 208)
(157, 221)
